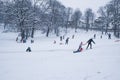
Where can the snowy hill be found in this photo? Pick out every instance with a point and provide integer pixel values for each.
(49, 61)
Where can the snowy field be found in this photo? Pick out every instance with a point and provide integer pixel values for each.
(49, 61)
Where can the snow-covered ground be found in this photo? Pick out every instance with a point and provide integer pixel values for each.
(49, 61)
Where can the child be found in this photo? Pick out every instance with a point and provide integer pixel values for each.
(79, 49)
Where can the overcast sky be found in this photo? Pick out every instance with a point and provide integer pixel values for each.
(83, 4)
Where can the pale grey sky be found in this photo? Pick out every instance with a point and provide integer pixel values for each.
(83, 4)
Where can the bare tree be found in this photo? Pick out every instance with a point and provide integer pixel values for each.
(76, 18)
(115, 16)
(1, 11)
(105, 15)
(89, 17)
(67, 15)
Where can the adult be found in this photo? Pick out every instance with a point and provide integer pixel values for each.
(89, 42)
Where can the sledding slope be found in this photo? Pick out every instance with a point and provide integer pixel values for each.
(49, 61)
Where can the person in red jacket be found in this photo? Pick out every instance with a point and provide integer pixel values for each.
(79, 49)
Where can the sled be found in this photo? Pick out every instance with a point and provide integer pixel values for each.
(81, 49)
(117, 40)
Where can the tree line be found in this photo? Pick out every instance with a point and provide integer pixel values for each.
(109, 18)
(27, 16)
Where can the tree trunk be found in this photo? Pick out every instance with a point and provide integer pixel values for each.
(32, 34)
(48, 30)
(115, 29)
(22, 35)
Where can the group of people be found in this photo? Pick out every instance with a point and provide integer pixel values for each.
(109, 36)
(89, 44)
(80, 48)
(62, 38)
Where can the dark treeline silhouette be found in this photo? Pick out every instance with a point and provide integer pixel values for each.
(27, 16)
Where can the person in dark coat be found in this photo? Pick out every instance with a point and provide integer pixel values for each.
(109, 36)
(101, 36)
(90, 43)
(66, 41)
(28, 49)
(54, 42)
(24, 40)
(17, 39)
(94, 36)
(73, 36)
(32, 41)
(60, 38)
